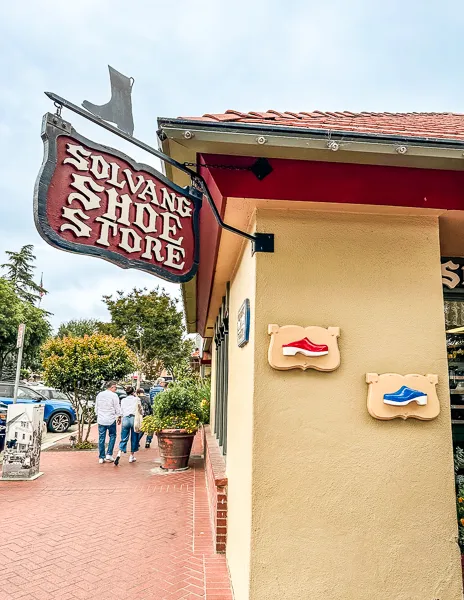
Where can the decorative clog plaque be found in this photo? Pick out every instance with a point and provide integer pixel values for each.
(295, 347)
(393, 396)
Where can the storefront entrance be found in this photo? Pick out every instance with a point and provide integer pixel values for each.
(454, 319)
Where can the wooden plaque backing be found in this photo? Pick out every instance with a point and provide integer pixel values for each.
(292, 333)
(388, 383)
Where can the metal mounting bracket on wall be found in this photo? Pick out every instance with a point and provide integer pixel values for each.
(261, 242)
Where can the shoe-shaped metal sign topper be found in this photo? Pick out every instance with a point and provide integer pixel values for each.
(119, 109)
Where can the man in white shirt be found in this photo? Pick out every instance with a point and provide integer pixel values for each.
(108, 412)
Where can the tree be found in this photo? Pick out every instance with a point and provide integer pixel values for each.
(20, 273)
(78, 328)
(38, 330)
(80, 365)
(10, 318)
(14, 311)
(152, 325)
(181, 366)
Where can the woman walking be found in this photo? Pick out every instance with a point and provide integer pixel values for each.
(147, 410)
(131, 407)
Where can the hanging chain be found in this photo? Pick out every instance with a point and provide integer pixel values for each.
(197, 184)
(58, 108)
(227, 167)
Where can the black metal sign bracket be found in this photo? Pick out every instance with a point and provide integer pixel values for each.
(261, 242)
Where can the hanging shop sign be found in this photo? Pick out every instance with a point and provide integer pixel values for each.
(452, 274)
(94, 200)
(243, 324)
(394, 396)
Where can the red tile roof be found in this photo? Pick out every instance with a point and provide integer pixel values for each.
(425, 125)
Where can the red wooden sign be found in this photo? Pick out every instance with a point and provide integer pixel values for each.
(94, 200)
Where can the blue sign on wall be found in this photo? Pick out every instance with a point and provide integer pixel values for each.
(243, 324)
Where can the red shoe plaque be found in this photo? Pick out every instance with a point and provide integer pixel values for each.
(305, 347)
(295, 347)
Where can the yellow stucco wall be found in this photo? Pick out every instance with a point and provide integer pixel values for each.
(343, 507)
(240, 431)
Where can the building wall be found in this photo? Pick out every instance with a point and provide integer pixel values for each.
(240, 431)
(344, 507)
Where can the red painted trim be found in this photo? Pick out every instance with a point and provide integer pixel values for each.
(210, 235)
(313, 181)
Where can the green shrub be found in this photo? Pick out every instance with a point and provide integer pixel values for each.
(84, 445)
(459, 467)
(178, 399)
(179, 407)
(152, 424)
(204, 393)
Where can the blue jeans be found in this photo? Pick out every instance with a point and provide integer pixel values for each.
(128, 429)
(102, 429)
(149, 437)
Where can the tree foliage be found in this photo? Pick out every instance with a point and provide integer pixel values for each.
(152, 325)
(38, 330)
(14, 311)
(20, 272)
(79, 328)
(80, 365)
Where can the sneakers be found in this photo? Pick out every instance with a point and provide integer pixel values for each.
(147, 444)
(109, 458)
(117, 459)
(132, 458)
(404, 396)
(101, 460)
(305, 347)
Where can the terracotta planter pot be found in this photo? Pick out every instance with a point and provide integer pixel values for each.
(175, 446)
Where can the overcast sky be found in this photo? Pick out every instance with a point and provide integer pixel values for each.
(189, 57)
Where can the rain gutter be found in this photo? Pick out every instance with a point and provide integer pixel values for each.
(189, 132)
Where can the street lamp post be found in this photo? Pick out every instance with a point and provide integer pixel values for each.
(139, 366)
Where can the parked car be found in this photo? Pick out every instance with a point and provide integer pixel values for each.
(3, 411)
(121, 392)
(59, 415)
(144, 385)
(50, 393)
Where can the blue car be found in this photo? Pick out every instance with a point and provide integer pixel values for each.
(59, 415)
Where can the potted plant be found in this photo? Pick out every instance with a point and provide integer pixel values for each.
(176, 417)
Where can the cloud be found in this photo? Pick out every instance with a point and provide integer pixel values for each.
(194, 56)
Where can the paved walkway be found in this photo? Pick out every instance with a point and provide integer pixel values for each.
(98, 532)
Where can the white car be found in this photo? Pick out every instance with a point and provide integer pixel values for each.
(51, 393)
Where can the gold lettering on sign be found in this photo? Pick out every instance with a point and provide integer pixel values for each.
(448, 277)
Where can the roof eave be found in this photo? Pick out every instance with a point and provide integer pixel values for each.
(277, 135)
(238, 138)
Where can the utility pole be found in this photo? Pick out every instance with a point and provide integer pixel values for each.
(19, 345)
(139, 374)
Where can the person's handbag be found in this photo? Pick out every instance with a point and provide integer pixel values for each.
(138, 417)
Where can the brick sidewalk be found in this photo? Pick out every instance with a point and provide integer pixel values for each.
(99, 532)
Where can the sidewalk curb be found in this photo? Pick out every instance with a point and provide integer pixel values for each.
(47, 445)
